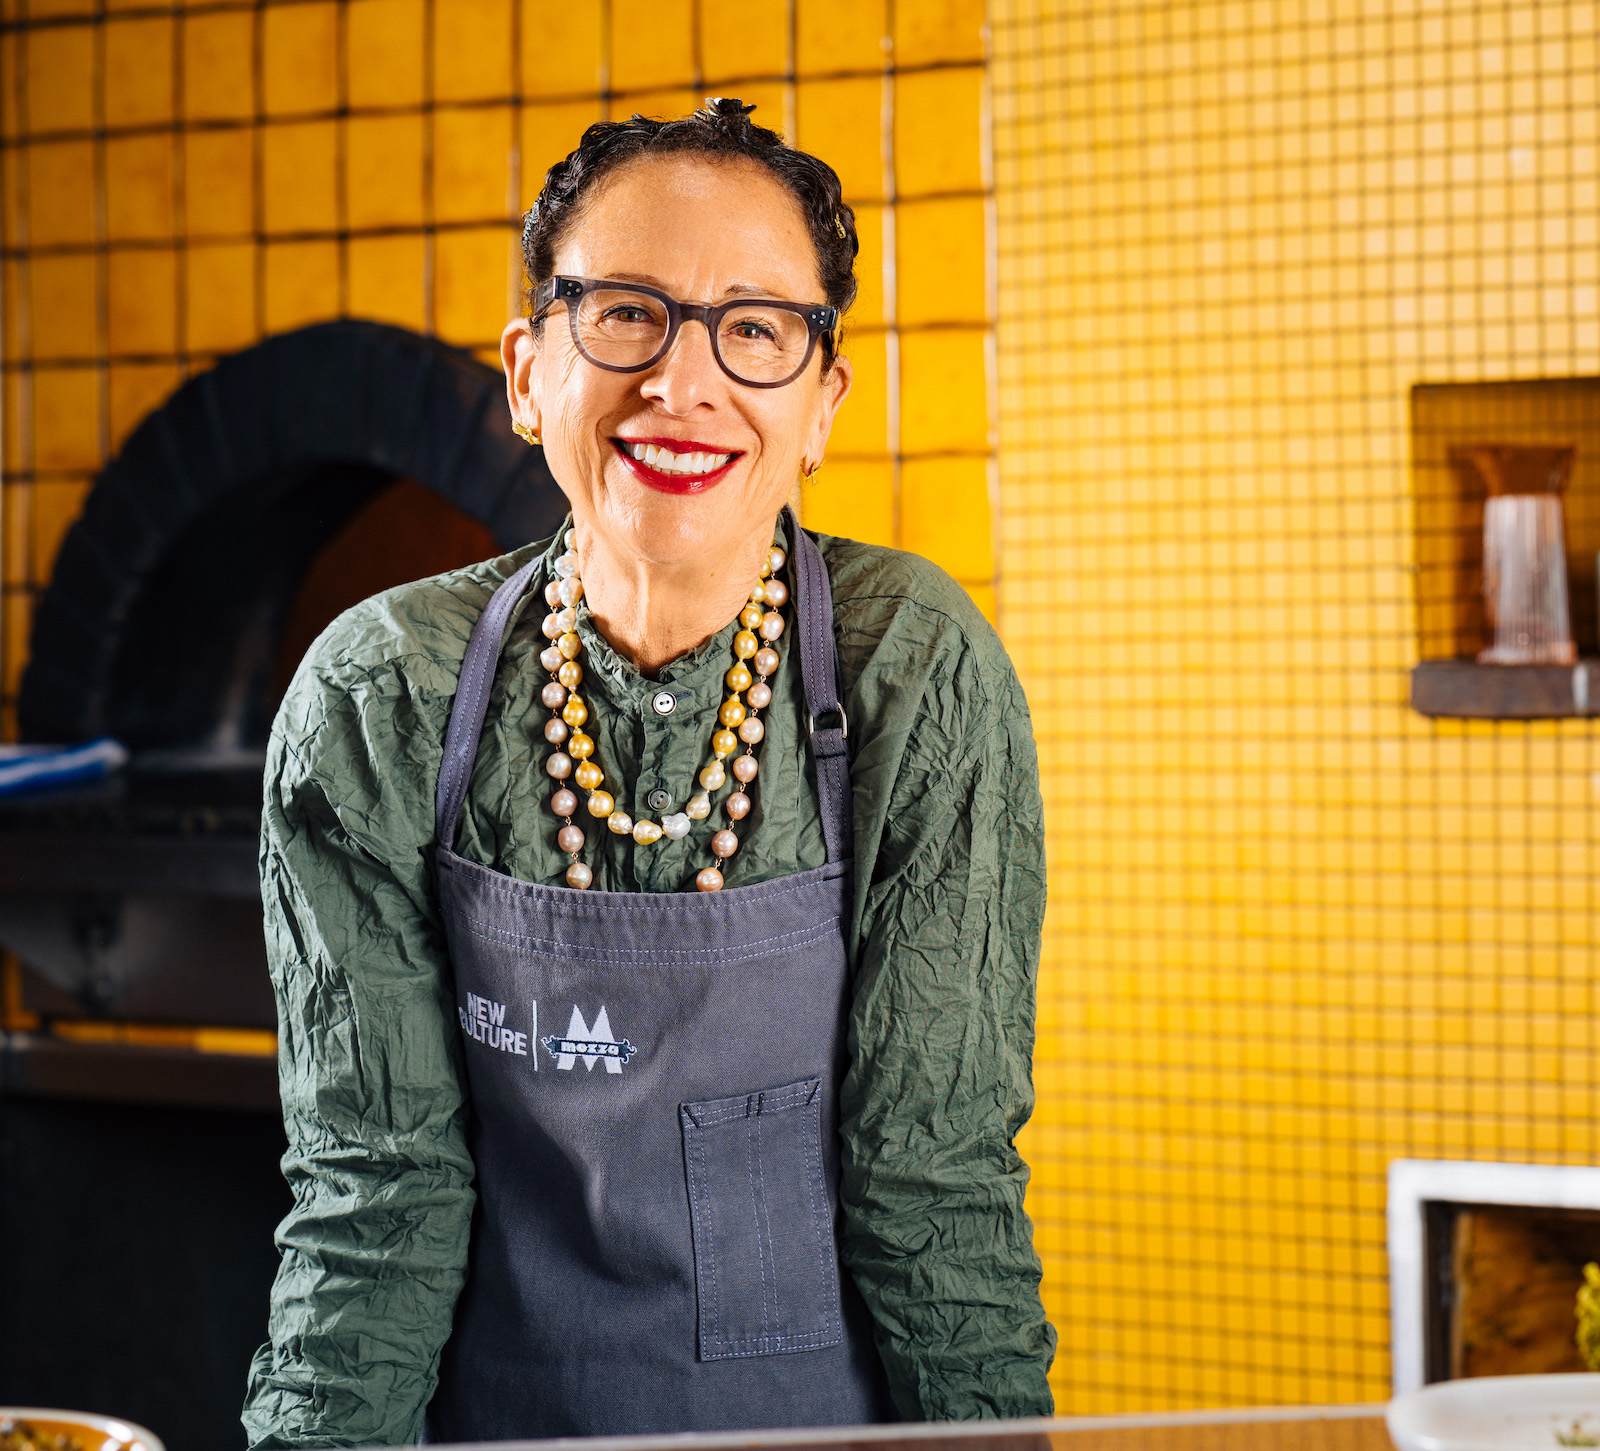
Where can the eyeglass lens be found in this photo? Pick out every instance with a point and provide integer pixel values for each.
(626, 329)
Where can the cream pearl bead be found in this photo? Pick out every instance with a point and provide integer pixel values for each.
(551, 627)
(566, 565)
(571, 590)
(751, 731)
(601, 804)
(776, 559)
(777, 593)
(676, 826)
(737, 806)
(554, 695)
(766, 661)
(724, 843)
(760, 695)
(620, 823)
(579, 876)
(771, 625)
(570, 839)
(564, 802)
(555, 730)
(713, 777)
(744, 769)
(698, 806)
(559, 766)
(552, 593)
(566, 620)
(551, 658)
(709, 880)
(645, 832)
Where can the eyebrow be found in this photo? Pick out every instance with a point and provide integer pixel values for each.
(733, 289)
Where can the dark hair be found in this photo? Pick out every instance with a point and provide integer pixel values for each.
(721, 130)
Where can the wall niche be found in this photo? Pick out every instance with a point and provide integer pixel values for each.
(1452, 623)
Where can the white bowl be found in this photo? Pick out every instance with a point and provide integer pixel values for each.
(1498, 1413)
(96, 1433)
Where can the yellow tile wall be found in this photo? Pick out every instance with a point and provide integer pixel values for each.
(1295, 930)
(178, 182)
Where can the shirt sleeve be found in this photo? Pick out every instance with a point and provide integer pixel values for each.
(374, 1251)
(941, 1039)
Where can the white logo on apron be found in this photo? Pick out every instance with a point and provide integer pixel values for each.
(590, 1044)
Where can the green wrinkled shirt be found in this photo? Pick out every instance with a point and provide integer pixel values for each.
(943, 936)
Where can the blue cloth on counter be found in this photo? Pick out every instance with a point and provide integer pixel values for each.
(32, 768)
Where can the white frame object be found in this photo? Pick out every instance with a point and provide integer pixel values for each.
(1416, 1183)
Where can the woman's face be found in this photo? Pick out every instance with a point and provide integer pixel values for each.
(700, 231)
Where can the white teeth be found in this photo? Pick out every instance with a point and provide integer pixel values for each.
(667, 462)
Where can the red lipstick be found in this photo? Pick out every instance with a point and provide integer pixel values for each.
(674, 483)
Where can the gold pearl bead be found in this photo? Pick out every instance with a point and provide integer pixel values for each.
(698, 807)
(570, 647)
(589, 775)
(645, 832)
(758, 594)
(580, 747)
(601, 804)
(570, 674)
(724, 743)
(750, 617)
(732, 711)
(575, 712)
(713, 777)
(620, 823)
(709, 880)
(745, 644)
(739, 677)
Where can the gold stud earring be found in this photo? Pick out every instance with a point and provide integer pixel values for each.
(810, 473)
(522, 431)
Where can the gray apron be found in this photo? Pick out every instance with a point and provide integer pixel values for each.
(654, 1119)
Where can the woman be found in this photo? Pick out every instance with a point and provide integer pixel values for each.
(576, 1147)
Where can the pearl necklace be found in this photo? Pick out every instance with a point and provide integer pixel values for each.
(759, 629)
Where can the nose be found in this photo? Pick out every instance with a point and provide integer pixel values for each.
(688, 375)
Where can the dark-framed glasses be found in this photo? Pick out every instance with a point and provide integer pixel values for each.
(626, 327)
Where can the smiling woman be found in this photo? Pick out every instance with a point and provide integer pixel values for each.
(577, 1148)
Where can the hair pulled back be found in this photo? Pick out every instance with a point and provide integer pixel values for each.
(721, 130)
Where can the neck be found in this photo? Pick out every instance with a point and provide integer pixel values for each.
(653, 612)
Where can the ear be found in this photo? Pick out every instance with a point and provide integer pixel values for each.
(518, 354)
(833, 390)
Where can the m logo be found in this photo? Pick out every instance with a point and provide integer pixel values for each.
(590, 1044)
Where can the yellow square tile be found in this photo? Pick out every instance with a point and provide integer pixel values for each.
(562, 51)
(830, 37)
(940, 248)
(383, 170)
(14, 501)
(842, 122)
(221, 283)
(62, 307)
(66, 418)
(853, 499)
(60, 76)
(136, 391)
(664, 105)
(943, 391)
(476, 280)
(937, 132)
(387, 276)
(218, 52)
(946, 515)
(742, 38)
(298, 176)
(300, 58)
(652, 46)
(867, 310)
(385, 42)
(861, 426)
(472, 49)
(60, 206)
(11, 317)
(143, 301)
(10, 64)
(139, 188)
(218, 167)
(53, 510)
(550, 133)
(301, 284)
(139, 56)
(939, 30)
(472, 156)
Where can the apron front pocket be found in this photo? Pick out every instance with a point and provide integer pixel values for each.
(766, 1276)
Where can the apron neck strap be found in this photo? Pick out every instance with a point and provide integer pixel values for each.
(813, 622)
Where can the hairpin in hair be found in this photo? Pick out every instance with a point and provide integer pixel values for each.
(838, 226)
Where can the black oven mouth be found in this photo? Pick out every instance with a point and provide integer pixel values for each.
(267, 494)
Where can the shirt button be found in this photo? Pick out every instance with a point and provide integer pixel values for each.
(664, 703)
(658, 800)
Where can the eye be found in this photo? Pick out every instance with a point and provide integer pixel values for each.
(626, 312)
(753, 330)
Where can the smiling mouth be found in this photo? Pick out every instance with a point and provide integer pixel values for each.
(675, 470)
